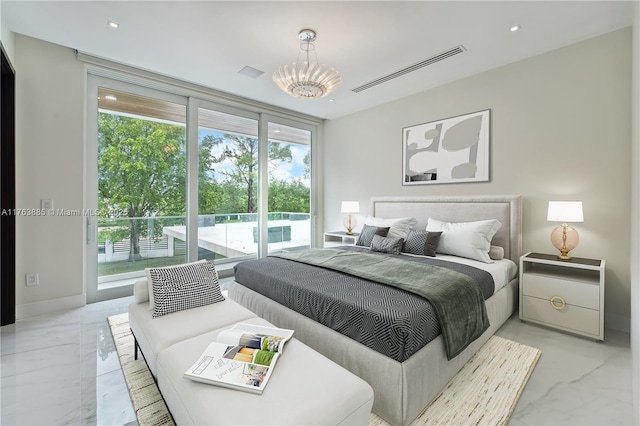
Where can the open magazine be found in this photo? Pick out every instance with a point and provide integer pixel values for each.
(242, 357)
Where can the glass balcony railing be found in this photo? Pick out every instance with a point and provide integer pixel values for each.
(128, 245)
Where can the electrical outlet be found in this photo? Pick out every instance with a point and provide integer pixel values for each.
(32, 279)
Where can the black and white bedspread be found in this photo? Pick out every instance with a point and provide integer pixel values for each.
(389, 320)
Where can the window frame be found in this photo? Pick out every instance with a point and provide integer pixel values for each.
(120, 77)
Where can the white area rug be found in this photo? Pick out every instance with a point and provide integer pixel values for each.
(147, 402)
(484, 392)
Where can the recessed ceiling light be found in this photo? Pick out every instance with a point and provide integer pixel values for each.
(110, 98)
(514, 28)
(332, 100)
(113, 24)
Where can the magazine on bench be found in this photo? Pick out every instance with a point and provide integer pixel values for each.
(241, 358)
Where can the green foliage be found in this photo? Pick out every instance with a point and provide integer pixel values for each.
(235, 198)
(242, 152)
(289, 196)
(307, 165)
(121, 267)
(210, 194)
(142, 173)
(141, 166)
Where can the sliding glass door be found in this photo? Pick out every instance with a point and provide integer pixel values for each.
(135, 185)
(289, 186)
(171, 179)
(228, 167)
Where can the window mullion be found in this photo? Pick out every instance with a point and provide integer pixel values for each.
(192, 180)
(263, 186)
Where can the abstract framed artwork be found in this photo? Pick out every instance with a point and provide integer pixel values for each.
(452, 150)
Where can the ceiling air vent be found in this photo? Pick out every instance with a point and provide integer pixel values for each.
(429, 61)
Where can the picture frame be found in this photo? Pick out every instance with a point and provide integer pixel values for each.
(451, 150)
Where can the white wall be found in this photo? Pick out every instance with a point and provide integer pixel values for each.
(6, 36)
(50, 111)
(635, 215)
(560, 129)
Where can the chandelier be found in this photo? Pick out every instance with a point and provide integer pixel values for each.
(307, 80)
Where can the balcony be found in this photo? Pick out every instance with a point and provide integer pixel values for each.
(162, 241)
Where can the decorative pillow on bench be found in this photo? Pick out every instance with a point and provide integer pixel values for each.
(180, 287)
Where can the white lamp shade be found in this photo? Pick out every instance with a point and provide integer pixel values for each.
(565, 211)
(350, 207)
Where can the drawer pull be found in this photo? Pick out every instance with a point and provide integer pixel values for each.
(558, 303)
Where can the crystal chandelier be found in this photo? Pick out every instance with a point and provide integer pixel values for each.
(307, 80)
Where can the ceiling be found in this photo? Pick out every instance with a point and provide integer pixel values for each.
(208, 42)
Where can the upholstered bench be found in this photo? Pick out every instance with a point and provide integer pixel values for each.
(305, 388)
(152, 335)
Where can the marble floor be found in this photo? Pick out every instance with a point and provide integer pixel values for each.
(62, 368)
(577, 381)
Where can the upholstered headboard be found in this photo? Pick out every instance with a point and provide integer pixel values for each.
(505, 208)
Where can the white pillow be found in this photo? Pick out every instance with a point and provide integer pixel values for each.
(150, 284)
(398, 228)
(466, 239)
(141, 291)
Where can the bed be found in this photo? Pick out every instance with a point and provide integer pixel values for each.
(404, 385)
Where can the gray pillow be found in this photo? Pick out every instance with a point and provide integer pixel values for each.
(367, 233)
(496, 253)
(183, 287)
(423, 243)
(386, 244)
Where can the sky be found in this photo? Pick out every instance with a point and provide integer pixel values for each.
(281, 171)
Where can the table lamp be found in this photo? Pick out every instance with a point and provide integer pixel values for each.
(564, 237)
(349, 221)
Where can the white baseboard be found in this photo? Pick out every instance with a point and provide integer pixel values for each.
(27, 310)
(617, 322)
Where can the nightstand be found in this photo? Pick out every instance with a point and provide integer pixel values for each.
(564, 294)
(340, 238)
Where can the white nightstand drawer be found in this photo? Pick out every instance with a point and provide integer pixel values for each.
(572, 318)
(576, 293)
(576, 287)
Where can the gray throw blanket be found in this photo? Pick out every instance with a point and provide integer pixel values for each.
(456, 297)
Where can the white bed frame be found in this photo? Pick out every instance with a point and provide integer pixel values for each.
(403, 390)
